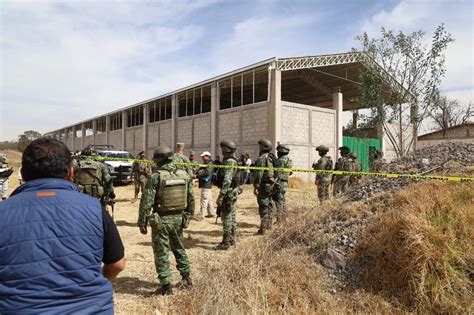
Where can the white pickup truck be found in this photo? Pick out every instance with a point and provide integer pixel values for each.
(121, 171)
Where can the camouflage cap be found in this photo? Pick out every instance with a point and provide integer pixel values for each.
(180, 144)
(344, 148)
(322, 148)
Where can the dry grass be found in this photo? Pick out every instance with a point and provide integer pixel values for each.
(420, 252)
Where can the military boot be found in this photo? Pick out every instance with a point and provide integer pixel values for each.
(262, 229)
(225, 244)
(165, 289)
(185, 282)
(233, 237)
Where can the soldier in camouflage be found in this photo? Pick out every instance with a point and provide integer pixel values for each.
(323, 181)
(140, 171)
(281, 185)
(168, 193)
(355, 167)
(228, 182)
(344, 163)
(263, 185)
(179, 157)
(93, 178)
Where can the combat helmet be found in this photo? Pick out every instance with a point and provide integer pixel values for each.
(344, 149)
(282, 148)
(322, 148)
(88, 151)
(162, 153)
(265, 144)
(228, 146)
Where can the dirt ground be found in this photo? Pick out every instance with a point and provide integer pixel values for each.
(139, 277)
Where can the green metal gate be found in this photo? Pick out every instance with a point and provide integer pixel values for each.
(360, 147)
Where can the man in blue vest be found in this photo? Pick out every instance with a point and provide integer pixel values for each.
(54, 239)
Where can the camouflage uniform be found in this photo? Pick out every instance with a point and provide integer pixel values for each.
(323, 180)
(167, 228)
(355, 167)
(264, 182)
(341, 182)
(228, 195)
(181, 158)
(93, 178)
(141, 171)
(281, 186)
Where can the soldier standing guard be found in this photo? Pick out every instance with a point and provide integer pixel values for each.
(93, 178)
(169, 193)
(263, 185)
(281, 186)
(228, 180)
(323, 181)
(344, 163)
(141, 171)
(179, 157)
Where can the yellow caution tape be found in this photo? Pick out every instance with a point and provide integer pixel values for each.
(302, 170)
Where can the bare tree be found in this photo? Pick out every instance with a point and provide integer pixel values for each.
(413, 72)
(448, 113)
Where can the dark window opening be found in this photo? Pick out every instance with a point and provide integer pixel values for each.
(236, 91)
(197, 101)
(206, 99)
(261, 86)
(225, 95)
(182, 104)
(189, 103)
(247, 85)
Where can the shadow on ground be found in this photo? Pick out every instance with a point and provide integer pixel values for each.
(133, 285)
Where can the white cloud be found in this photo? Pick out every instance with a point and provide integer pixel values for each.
(64, 62)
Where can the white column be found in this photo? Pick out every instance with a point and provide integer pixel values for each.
(73, 144)
(337, 106)
(145, 128)
(174, 117)
(107, 129)
(94, 130)
(83, 134)
(275, 106)
(124, 126)
(214, 113)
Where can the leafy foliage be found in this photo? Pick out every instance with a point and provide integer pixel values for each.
(26, 138)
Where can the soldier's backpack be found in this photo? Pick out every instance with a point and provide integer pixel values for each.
(172, 195)
(88, 177)
(218, 176)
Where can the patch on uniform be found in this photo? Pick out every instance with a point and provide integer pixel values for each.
(45, 194)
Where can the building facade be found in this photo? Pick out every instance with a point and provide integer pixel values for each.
(296, 101)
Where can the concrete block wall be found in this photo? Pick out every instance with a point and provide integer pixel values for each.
(428, 143)
(134, 139)
(100, 138)
(166, 134)
(87, 141)
(229, 126)
(202, 131)
(303, 127)
(153, 136)
(185, 131)
(69, 144)
(115, 139)
(255, 124)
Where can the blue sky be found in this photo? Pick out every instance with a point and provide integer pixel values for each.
(65, 61)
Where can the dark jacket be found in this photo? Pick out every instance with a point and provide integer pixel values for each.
(204, 175)
(51, 250)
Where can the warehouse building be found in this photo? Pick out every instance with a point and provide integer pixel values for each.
(297, 101)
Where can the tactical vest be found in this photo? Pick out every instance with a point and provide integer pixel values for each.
(172, 195)
(283, 162)
(88, 177)
(268, 175)
(219, 178)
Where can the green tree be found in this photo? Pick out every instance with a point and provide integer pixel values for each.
(412, 70)
(447, 113)
(26, 138)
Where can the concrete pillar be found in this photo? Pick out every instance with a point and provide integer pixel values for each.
(337, 106)
(145, 128)
(83, 134)
(414, 121)
(124, 127)
(174, 118)
(73, 142)
(107, 129)
(275, 106)
(94, 130)
(214, 126)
